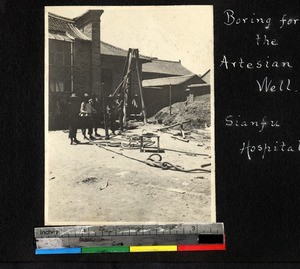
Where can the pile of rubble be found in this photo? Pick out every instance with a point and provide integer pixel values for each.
(198, 112)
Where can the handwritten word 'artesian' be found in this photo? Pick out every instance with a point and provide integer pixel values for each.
(232, 19)
(260, 125)
(279, 147)
(266, 63)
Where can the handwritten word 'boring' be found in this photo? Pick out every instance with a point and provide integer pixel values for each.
(249, 149)
(266, 63)
(233, 121)
(231, 19)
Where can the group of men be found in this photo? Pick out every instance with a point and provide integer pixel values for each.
(87, 114)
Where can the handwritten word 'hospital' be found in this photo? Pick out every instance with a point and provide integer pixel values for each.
(250, 149)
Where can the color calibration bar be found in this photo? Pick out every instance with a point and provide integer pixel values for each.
(129, 239)
(122, 249)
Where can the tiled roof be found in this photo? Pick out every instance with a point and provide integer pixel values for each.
(166, 67)
(108, 49)
(169, 81)
(64, 27)
(60, 36)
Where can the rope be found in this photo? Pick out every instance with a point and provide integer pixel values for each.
(168, 165)
(134, 142)
(157, 163)
(121, 154)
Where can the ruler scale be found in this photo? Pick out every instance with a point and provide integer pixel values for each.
(129, 238)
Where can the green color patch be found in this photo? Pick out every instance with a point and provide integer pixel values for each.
(104, 249)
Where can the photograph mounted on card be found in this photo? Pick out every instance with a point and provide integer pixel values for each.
(129, 115)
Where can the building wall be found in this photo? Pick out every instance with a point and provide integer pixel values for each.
(61, 76)
(112, 73)
(114, 66)
(74, 67)
(82, 81)
(199, 91)
(89, 23)
(156, 99)
(59, 66)
(58, 111)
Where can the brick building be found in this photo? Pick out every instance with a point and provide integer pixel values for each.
(157, 91)
(74, 61)
(112, 65)
(161, 75)
(80, 62)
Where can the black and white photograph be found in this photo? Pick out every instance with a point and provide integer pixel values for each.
(129, 115)
(150, 134)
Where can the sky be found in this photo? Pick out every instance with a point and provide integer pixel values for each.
(167, 32)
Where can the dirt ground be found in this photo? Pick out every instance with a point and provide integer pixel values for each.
(87, 184)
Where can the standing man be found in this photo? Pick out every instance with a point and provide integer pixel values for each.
(73, 118)
(96, 113)
(86, 111)
(134, 104)
(111, 110)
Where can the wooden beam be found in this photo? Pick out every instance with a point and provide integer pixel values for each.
(140, 84)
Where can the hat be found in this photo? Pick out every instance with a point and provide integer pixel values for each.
(73, 95)
(86, 95)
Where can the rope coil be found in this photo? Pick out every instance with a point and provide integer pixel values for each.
(167, 165)
(157, 163)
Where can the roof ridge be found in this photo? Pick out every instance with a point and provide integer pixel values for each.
(173, 77)
(176, 80)
(123, 50)
(112, 46)
(205, 73)
(60, 17)
(167, 67)
(161, 60)
(189, 76)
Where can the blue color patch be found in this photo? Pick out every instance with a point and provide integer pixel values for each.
(58, 251)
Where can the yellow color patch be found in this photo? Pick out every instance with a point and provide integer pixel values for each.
(153, 248)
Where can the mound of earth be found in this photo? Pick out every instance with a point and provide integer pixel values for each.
(198, 112)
